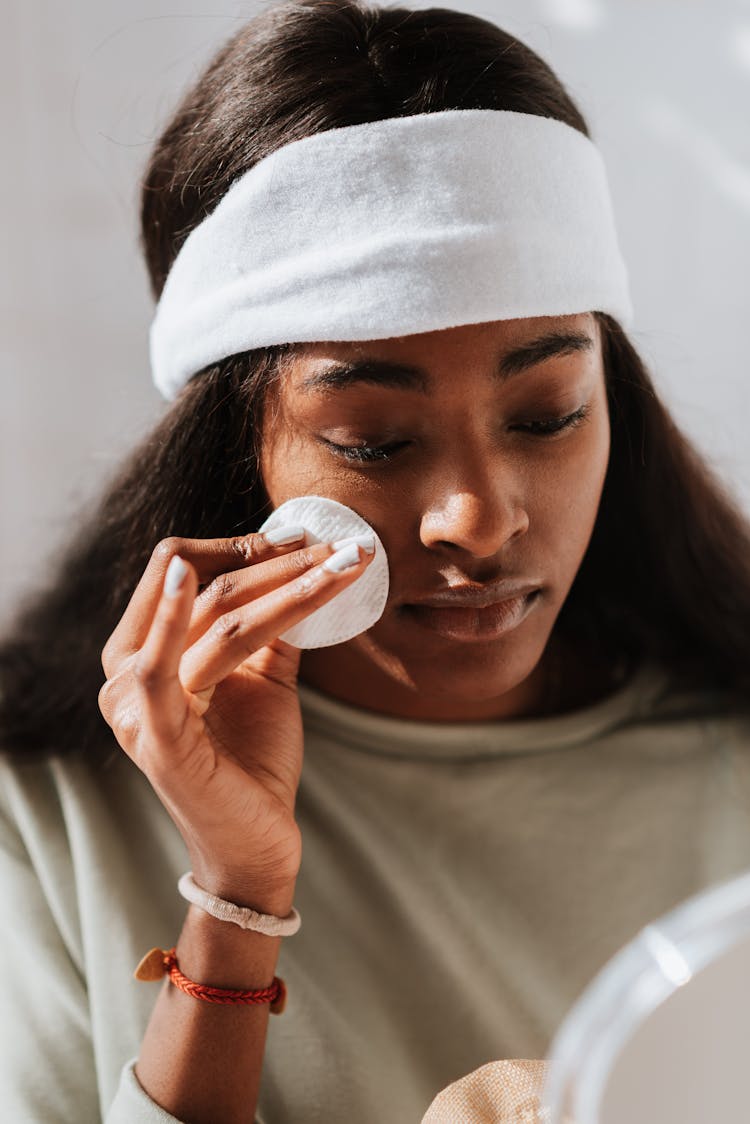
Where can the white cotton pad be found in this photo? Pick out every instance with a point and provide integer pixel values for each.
(357, 607)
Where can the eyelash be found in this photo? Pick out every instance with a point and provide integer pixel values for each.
(368, 454)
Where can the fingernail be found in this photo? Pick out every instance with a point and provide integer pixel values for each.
(280, 536)
(343, 559)
(175, 576)
(366, 541)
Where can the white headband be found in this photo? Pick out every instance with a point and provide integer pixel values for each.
(391, 228)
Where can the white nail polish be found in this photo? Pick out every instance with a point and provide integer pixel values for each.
(280, 536)
(343, 559)
(175, 576)
(367, 542)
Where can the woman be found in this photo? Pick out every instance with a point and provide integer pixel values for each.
(540, 745)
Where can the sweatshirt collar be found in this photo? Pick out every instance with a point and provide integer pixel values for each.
(362, 729)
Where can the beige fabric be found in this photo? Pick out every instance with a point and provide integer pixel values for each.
(502, 1092)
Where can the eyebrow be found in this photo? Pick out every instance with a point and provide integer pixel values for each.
(403, 376)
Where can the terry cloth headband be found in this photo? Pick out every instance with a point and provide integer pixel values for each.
(392, 228)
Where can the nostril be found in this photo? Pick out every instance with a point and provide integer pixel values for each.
(480, 527)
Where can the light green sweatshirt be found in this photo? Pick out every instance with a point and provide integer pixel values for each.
(460, 885)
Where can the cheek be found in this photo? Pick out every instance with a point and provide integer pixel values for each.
(292, 465)
(589, 464)
(566, 513)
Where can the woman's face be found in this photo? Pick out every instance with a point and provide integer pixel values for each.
(449, 444)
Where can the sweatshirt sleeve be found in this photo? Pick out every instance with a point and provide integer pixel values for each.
(48, 1072)
(132, 1104)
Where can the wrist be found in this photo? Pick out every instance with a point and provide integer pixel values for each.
(274, 902)
(223, 955)
(274, 898)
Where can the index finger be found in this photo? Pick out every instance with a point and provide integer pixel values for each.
(209, 557)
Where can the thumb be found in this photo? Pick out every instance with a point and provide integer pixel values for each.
(279, 661)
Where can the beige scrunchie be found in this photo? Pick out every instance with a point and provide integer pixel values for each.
(503, 1092)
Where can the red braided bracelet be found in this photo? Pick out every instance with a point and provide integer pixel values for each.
(158, 963)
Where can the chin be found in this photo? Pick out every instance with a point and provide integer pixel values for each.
(464, 672)
(473, 684)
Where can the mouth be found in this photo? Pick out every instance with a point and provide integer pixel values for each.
(472, 622)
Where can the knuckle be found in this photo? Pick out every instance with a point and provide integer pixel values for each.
(104, 699)
(146, 674)
(227, 628)
(303, 586)
(218, 590)
(106, 657)
(113, 693)
(165, 550)
(127, 725)
(247, 547)
(301, 560)
(121, 713)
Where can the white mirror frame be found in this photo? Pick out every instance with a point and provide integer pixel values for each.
(664, 956)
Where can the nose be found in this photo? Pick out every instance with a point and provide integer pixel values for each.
(476, 510)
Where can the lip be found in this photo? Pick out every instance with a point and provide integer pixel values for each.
(472, 623)
(476, 597)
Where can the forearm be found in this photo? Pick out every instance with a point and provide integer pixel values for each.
(202, 1061)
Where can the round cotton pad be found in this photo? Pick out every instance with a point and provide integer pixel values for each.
(357, 607)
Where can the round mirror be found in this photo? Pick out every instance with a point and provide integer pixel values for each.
(660, 1035)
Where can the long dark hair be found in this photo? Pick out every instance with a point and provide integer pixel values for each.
(667, 570)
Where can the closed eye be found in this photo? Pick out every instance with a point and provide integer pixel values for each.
(366, 453)
(372, 454)
(555, 425)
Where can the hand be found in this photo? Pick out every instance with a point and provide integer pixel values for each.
(202, 696)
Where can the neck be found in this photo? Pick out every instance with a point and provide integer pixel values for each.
(556, 684)
(565, 679)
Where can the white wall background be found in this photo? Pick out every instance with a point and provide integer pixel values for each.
(665, 85)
